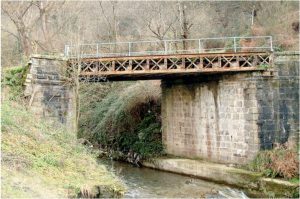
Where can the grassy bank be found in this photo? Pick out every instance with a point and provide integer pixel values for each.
(40, 159)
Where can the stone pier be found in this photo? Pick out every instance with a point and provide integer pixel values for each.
(229, 118)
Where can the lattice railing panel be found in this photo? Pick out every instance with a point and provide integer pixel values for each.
(156, 64)
(193, 63)
(104, 66)
(263, 60)
(210, 62)
(139, 64)
(227, 62)
(247, 61)
(174, 63)
(121, 65)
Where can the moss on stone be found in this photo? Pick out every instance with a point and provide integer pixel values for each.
(279, 188)
(251, 182)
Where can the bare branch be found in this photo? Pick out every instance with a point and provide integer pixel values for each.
(106, 18)
(11, 33)
(26, 9)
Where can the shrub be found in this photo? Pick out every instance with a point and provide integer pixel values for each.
(14, 79)
(145, 140)
(279, 162)
(126, 119)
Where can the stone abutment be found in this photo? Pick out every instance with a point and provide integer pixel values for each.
(50, 95)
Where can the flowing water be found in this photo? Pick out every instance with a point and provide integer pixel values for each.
(150, 183)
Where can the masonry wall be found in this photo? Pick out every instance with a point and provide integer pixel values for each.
(50, 96)
(229, 118)
(278, 102)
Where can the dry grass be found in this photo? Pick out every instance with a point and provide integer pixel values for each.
(284, 162)
(279, 162)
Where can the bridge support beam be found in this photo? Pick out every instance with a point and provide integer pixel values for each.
(229, 118)
(50, 95)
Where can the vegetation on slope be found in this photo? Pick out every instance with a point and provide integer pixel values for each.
(13, 80)
(124, 118)
(43, 159)
(39, 159)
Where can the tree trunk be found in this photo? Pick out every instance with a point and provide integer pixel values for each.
(183, 24)
(43, 17)
(24, 41)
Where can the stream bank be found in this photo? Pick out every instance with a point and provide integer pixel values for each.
(142, 182)
(253, 183)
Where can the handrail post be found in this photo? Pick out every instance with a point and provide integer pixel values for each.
(99, 48)
(234, 44)
(66, 50)
(271, 43)
(199, 43)
(166, 47)
(129, 48)
(97, 55)
(79, 54)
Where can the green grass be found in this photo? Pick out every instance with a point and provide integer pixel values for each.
(40, 159)
(263, 66)
(295, 180)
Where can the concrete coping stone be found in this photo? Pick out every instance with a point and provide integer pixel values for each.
(287, 56)
(59, 57)
(224, 174)
(291, 53)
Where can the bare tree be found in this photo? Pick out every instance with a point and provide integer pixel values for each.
(45, 26)
(112, 24)
(158, 22)
(184, 24)
(29, 18)
(45, 8)
(17, 14)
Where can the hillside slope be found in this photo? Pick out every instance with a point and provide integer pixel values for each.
(43, 160)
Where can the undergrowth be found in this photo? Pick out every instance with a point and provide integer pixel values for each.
(144, 140)
(278, 162)
(43, 160)
(14, 78)
(126, 118)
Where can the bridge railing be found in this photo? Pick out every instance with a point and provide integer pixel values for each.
(175, 46)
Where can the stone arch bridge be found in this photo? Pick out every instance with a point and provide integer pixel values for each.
(217, 104)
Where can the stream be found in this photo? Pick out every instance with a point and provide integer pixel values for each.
(149, 183)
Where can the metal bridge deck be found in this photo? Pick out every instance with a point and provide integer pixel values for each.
(166, 66)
